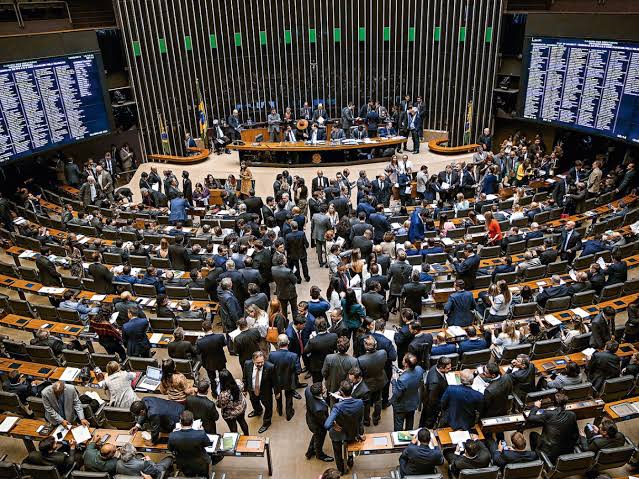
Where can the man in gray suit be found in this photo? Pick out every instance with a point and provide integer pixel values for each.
(285, 285)
(348, 118)
(398, 275)
(372, 364)
(103, 178)
(274, 121)
(62, 405)
(337, 365)
(321, 224)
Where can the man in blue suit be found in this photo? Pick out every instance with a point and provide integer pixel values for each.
(157, 414)
(380, 223)
(473, 343)
(422, 456)
(365, 206)
(467, 269)
(441, 347)
(391, 356)
(431, 248)
(460, 306)
(345, 423)
(405, 398)
(287, 368)
(177, 209)
(188, 445)
(461, 403)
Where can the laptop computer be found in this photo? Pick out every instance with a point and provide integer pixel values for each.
(151, 380)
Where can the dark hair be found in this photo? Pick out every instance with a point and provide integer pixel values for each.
(46, 445)
(137, 407)
(168, 369)
(350, 300)
(227, 382)
(423, 436)
(186, 418)
(471, 448)
(346, 388)
(572, 369)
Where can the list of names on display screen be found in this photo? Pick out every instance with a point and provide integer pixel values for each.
(49, 102)
(591, 85)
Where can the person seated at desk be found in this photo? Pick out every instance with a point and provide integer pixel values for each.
(516, 453)
(174, 384)
(132, 463)
(189, 447)
(509, 336)
(530, 261)
(100, 457)
(441, 347)
(53, 453)
(534, 232)
(44, 338)
(471, 454)
(152, 278)
(118, 383)
(460, 305)
(604, 365)
(559, 434)
(23, 386)
(157, 414)
(126, 276)
(507, 267)
(604, 436)
(79, 306)
(473, 343)
(570, 376)
(431, 248)
(421, 456)
(557, 290)
(580, 285)
(180, 348)
(62, 405)
(461, 404)
(512, 236)
(190, 311)
(523, 374)
(316, 134)
(337, 133)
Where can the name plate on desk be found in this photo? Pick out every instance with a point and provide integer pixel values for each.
(502, 423)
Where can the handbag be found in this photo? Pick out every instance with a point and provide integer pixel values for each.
(272, 332)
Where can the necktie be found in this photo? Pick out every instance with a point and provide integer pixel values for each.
(299, 339)
(256, 386)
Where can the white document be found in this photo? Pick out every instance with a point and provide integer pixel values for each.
(123, 439)
(96, 396)
(380, 441)
(8, 423)
(481, 218)
(456, 331)
(50, 290)
(355, 281)
(602, 263)
(156, 338)
(588, 352)
(395, 226)
(81, 434)
(459, 436)
(444, 186)
(550, 319)
(114, 317)
(98, 297)
(580, 312)
(60, 432)
(479, 384)
(69, 374)
(452, 379)
(573, 274)
(447, 241)
(214, 438)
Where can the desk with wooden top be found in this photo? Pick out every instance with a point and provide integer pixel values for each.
(616, 417)
(309, 154)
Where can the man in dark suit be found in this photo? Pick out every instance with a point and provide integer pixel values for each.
(379, 222)
(285, 286)
(414, 292)
(381, 189)
(157, 414)
(474, 456)
(399, 274)
(178, 255)
(512, 236)
(360, 389)
(617, 272)
(50, 453)
(319, 182)
(102, 276)
(461, 403)
(342, 203)
(604, 436)
(179, 348)
(318, 347)
(337, 365)
(374, 302)
(422, 456)
(460, 305)
(557, 290)
(211, 348)
(570, 242)
(287, 367)
(345, 423)
(549, 254)
(515, 454)
(296, 246)
(247, 342)
(202, 407)
(497, 392)
(602, 327)
(523, 372)
(560, 432)
(316, 415)
(406, 398)
(364, 243)
(49, 276)
(467, 269)
(373, 366)
(189, 447)
(451, 179)
(260, 381)
(376, 275)
(604, 365)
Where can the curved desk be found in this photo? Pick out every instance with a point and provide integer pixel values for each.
(436, 146)
(304, 154)
(201, 155)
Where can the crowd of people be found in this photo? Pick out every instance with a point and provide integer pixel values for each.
(362, 344)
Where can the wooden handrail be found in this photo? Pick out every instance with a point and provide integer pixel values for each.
(202, 154)
(436, 146)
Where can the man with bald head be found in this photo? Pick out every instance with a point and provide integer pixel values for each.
(570, 242)
(100, 458)
(461, 403)
(62, 405)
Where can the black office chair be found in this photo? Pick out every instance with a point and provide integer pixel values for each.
(472, 359)
(546, 348)
(489, 252)
(9, 470)
(584, 298)
(576, 464)
(42, 472)
(613, 457)
(481, 473)
(118, 418)
(617, 388)
(432, 321)
(16, 350)
(524, 470)
(578, 392)
(511, 352)
(11, 402)
(556, 304)
(43, 355)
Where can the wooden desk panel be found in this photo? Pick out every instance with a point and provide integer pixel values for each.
(289, 147)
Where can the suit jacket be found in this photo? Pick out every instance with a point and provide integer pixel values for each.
(211, 348)
(523, 380)
(599, 332)
(496, 396)
(617, 273)
(182, 350)
(335, 369)
(189, 445)
(316, 411)
(53, 410)
(285, 282)
(399, 275)
(349, 414)
(373, 366)
(559, 433)
(361, 391)
(49, 276)
(319, 183)
(380, 225)
(461, 405)
(406, 390)
(179, 257)
(510, 456)
(62, 461)
(375, 305)
(419, 459)
(413, 293)
(603, 365)
(318, 348)
(598, 442)
(134, 335)
(558, 291)
(382, 191)
(246, 343)
(268, 379)
(321, 224)
(102, 278)
(347, 118)
(459, 308)
(286, 369)
(296, 245)
(573, 244)
(460, 462)
(467, 270)
(203, 408)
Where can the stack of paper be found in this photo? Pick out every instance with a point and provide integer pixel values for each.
(401, 438)
(550, 319)
(8, 423)
(456, 331)
(81, 434)
(69, 374)
(588, 352)
(98, 297)
(457, 437)
(580, 312)
(214, 438)
(156, 338)
(452, 379)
